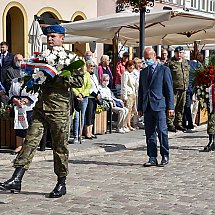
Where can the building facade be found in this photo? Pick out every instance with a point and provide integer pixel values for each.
(204, 6)
(17, 18)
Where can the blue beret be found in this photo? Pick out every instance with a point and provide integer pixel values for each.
(54, 29)
(178, 49)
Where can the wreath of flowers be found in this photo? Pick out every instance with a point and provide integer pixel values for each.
(49, 63)
(204, 86)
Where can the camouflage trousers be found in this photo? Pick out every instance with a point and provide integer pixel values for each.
(211, 123)
(57, 122)
(179, 102)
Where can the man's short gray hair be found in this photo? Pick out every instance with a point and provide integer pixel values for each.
(105, 76)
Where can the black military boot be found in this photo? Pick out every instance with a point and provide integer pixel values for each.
(60, 188)
(14, 183)
(208, 147)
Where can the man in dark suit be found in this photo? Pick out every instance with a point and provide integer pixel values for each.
(6, 57)
(155, 97)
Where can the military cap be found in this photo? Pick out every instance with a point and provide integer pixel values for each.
(178, 49)
(54, 29)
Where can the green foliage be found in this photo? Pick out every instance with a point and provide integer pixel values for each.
(212, 60)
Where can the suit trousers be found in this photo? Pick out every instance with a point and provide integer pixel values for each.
(57, 122)
(155, 123)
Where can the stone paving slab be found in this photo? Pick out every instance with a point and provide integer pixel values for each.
(104, 143)
(117, 183)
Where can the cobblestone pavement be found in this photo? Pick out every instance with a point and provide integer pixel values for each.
(117, 183)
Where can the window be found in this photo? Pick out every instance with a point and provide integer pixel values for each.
(212, 5)
(203, 5)
(194, 4)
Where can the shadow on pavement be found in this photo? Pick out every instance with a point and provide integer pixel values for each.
(103, 163)
(112, 147)
(196, 137)
(24, 193)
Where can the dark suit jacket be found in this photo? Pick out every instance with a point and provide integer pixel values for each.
(159, 92)
(8, 61)
(7, 75)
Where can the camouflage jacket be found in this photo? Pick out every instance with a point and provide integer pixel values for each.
(180, 73)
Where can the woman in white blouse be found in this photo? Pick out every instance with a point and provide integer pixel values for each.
(128, 93)
(21, 98)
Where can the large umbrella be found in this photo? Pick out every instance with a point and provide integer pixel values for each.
(162, 27)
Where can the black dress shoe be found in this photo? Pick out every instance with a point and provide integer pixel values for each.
(88, 138)
(171, 128)
(151, 162)
(164, 161)
(180, 128)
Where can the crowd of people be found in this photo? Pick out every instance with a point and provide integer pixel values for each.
(159, 89)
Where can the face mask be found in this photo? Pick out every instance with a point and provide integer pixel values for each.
(89, 57)
(18, 64)
(105, 83)
(149, 62)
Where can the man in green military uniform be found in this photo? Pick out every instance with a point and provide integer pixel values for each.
(51, 111)
(180, 75)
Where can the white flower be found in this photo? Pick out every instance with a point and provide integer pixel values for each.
(59, 67)
(205, 105)
(46, 53)
(207, 90)
(201, 87)
(62, 55)
(199, 92)
(67, 61)
(206, 96)
(42, 79)
(72, 56)
(203, 93)
(35, 76)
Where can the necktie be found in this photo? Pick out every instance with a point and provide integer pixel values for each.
(2, 60)
(150, 73)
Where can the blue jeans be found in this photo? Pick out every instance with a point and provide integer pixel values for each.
(76, 128)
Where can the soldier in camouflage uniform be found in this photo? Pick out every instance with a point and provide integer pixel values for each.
(52, 111)
(211, 133)
(180, 75)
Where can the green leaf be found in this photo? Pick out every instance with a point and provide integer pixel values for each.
(65, 73)
(74, 65)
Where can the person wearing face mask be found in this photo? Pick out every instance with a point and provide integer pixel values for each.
(89, 56)
(117, 104)
(104, 68)
(22, 99)
(128, 94)
(155, 100)
(8, 74)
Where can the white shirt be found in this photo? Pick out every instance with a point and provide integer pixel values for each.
(15, 91)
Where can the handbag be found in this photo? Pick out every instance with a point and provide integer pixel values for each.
(20, 118)
(77, 104)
